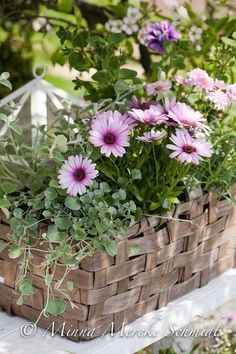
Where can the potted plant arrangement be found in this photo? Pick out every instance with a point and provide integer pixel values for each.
(130, 205)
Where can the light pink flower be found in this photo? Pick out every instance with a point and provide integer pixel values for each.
(187, 149)
(185, 116)
(151, 136)
(231, 92)
(199, 78)
(129, 120)
(219, 99)
(232, 317)
(180, 80)
(148, 116)
(76, 173)
(110, 133)
(158, 87)
(220, 84)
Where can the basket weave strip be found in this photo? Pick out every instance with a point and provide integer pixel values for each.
(174, 257)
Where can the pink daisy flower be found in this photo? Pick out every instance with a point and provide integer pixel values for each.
(158, 87)
(135, 103)
(185, 116)
(129, 120)
(110, 133)
(220, 84)
(169, 104)
(199, 78)
(231, 317)
(151, 136)
(187, 149)
(76, 173)
(219, 99)
(180, 80)
(148, 116)
(231, 92)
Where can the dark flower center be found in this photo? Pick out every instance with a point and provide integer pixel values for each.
(189, 149)
(109, 138)
(79, 175)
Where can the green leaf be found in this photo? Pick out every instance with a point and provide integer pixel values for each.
(26, 288)
(115, 38)
(120, 195)
(81, 39)
(229, 41)
(3, 245)
(8, 187)
(136, 174)
(61, 142)
(58, 57)
(65, 5)
(80, 233)
(48, 279)
(127, 74)
(63, 223)
(15, 251)
(121, 87)
(4, 80)
(110, 247)
(86, 198)
(100, 76)
(16, 128)
(97, 40)
(54, 235)
(4, 76)
(70, 286)
(20, 301)
(78, 61)
(18, 212)
(56, 306)
(138, 214)
(50, 193)
(4, 203)
(72, 203)
(154, 205)
(123, 181)
(134, 249)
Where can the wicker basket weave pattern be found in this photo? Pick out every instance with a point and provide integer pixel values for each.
(174, 257)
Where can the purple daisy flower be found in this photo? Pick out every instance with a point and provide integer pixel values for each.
(231, 92)
(158, 87)
(129, 120)
(157, 33)
(219, 99)
(187, 117)
(151, 136)
(187, 148)
(110, 132)
(169, 104)
(148, 116)
(135, 103)
(76, 173)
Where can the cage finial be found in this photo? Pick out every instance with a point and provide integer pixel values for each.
(39, 70)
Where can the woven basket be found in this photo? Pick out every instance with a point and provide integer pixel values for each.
(174, 258)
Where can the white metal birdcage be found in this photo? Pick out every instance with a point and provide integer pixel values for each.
(35, 102)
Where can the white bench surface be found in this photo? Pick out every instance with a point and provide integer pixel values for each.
(178, 313)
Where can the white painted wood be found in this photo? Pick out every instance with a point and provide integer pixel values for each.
(180, 312)
(38, 109)
(20, 91)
